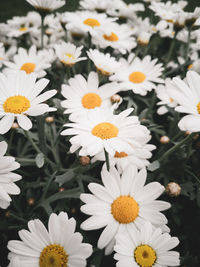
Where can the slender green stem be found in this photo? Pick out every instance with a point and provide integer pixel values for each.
(18, 218)
(193, 175)
(41, 133)
(174, 148)
(10, 140)
(42, 30)
(28, 136)
(171, 47)
(107, 160)
(47, 186)
(188, 43)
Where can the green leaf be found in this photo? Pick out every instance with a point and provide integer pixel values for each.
(154, 166)
(39, 160)
(66, 177)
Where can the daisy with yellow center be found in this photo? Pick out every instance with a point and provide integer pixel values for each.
(60, 246)
(121, 203)
(83, 96)
(31, 61)
(138, 75)
(117, 36)
(20, 97)
(46, 5)
(68, 53)
(147, 247)
(101, 129)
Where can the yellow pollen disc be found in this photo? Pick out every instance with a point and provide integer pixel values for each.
(53, 256)
(198, 107)
(16, 104)
(171, 99)
(105, 130)
(190, 67)
(145, 256)
(170, 20)
(125, 209)
(23, 29)
(91, 100)
(112, 38)
(92, 22)
(69, 55)
(28, 67)
(137, 77)
(120, 154)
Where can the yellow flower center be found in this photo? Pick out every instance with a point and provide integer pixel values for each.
(112, 38)
(190, 66)
(16, 104)
(92, 22)
(145, 256)
(198, 107)
(28, 67)
(125, 209)
(91, 100)
(105, 130)
(53, 256)
(120, 154)
(23, 29)
(69, 56)
(137, 77)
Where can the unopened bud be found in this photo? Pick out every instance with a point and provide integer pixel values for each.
(164, 139)
(15, 125)
(7, 214)
(49, 119)
(73, 210)
(31, 201)
(61, 189)
(188, 133)
(173, 189)
(115, 98)
(84, 160)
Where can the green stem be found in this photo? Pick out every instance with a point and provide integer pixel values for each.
(27, 134)
(193, 175)
(47, 186)
(174, 148)
(107, 160)
(171, 47)
(18, 218)
(42, 30)
(41, 133)
(188, 43)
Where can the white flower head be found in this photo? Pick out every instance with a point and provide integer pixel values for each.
(20, 97)
(146, 247)
(60, 244)
(104, 63)
(7, 177)
(31, 61)
(5, 55)
(139, 75)
(101, 129)
(187, 96)
(68, 53)
(46, 5)
(122, 203)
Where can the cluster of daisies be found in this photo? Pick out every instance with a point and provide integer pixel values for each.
(104, 39)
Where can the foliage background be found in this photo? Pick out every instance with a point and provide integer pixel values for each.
(184, 216)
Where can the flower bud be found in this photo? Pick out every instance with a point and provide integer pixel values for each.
(84, 160)
(173, 189)
(49, 119)
(31, 201)
(164, 139)
(15, 125)
(115, 98)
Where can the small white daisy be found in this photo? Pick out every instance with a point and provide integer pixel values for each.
(139, 75)
(187, 96)
(7, 177)
(68, 53)
(164, 96)
(147, 247)
(104, 63)
(82, 95)
(6, 55)
(121, 203)
(59, 246)
(19, 97)
(31, 61)
(117, 36)
(101, 129)
(96, 5)
(124, 10)
(46, 5)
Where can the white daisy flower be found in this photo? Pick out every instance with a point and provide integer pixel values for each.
(46, 5)
(15, 262)
(59, 246)
(162, 92)
(121, 203)
(138, 75)
(147, 247)
(138, 158)
(6, 55)
(7, 177)
(101, 129)
(31, 61)
(187, 96)
(86, 21)
(19, 97)
(116, 36)
(104, 63)
(96, 5)
(68, 53)
(125, 11)
(83, 96)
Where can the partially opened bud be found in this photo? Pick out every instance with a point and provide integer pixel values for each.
(164, 139)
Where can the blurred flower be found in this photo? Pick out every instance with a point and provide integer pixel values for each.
(31, 61)
(7, 177)
(68, 53)
(101, 129)
(122, 203)
(138, 75)
(46, 5)
(147, 247)
(60, 246)
(6, 55)
(84, 96)
(19, 97)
